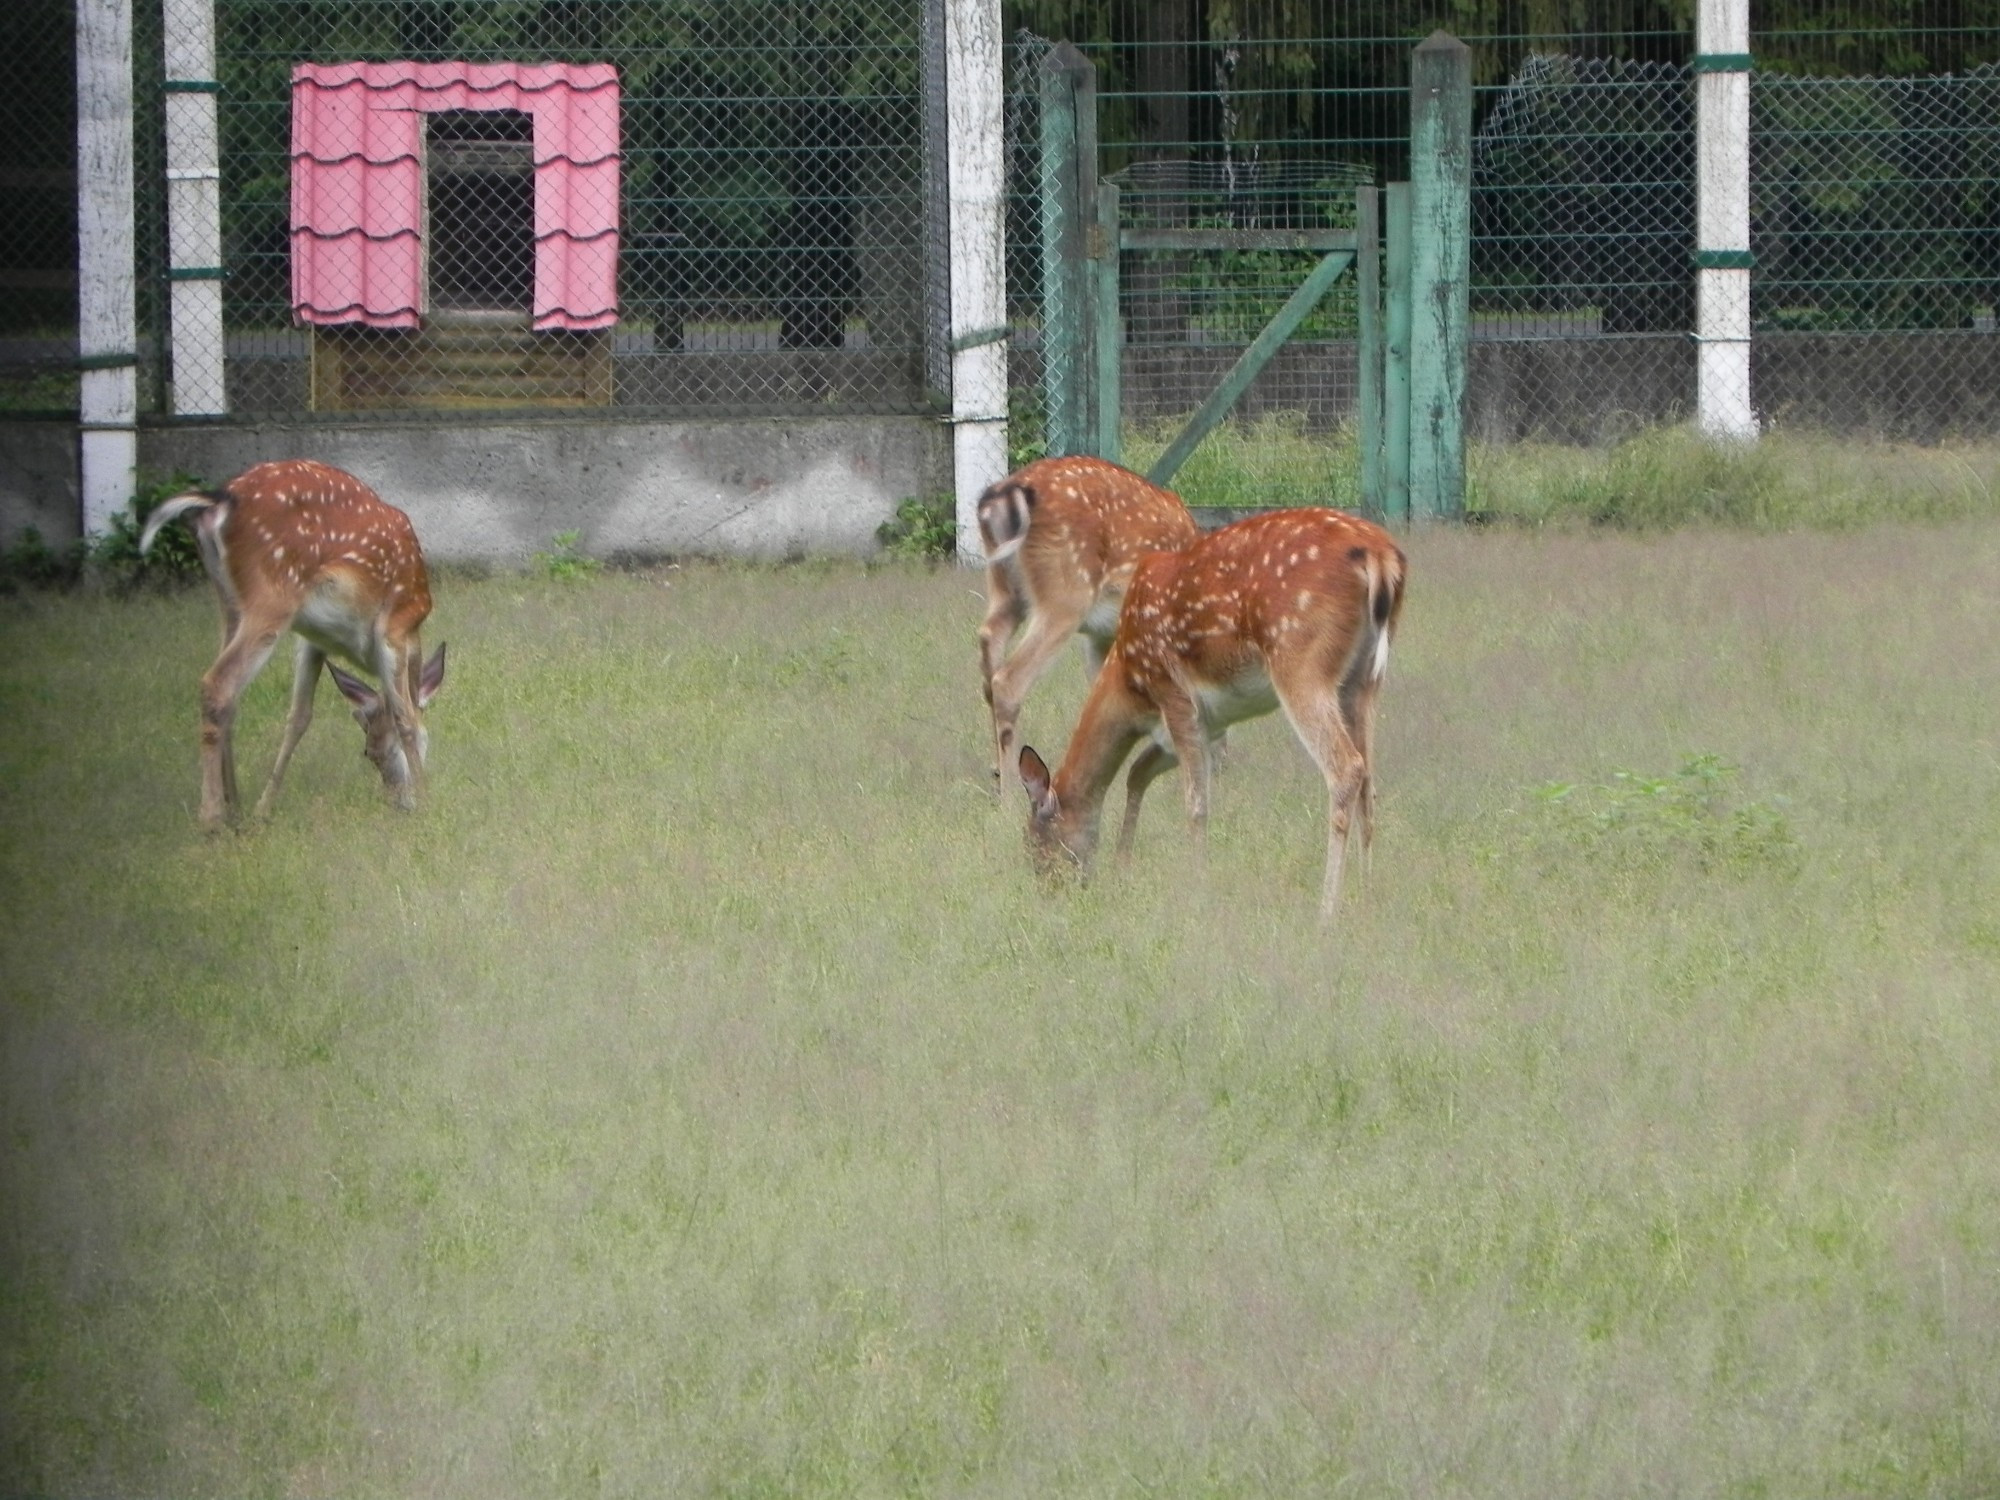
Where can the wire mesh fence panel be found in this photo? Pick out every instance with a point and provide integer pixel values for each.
(1583, 237)
(1190, 313)
(38, 310)
(1873, 229)
(1876, 232)
(572, 204)
(715, 206)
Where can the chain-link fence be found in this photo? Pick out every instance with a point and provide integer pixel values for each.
(1582, 250)
(644, 204)
(38, 185)
(1874, 224)
(717, 206)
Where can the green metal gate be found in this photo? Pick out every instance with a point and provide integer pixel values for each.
(1410, 292)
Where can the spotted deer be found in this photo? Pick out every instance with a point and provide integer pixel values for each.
(1290, 609)
(300, 546)
(1061, 538)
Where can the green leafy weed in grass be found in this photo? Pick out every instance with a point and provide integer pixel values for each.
(564, 561)
(925, 527)
(1695, 813)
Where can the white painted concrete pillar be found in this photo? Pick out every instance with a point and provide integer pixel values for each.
(194, 209)
(1722, 219)
(107, 312)
(977, 168)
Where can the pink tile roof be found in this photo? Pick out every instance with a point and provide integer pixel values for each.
(358, 187)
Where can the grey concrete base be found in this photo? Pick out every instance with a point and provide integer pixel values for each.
(39, 486)
(497, 492)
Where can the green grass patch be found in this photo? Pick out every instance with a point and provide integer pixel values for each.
(1659, 480)
(699, 1095)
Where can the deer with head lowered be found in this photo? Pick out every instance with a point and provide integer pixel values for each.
(1291, 609)
(1061, 537)
(301, 546)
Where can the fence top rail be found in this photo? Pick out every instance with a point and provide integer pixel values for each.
(1236, 239)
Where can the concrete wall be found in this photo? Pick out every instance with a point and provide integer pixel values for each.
(38, 481)
(498, 491)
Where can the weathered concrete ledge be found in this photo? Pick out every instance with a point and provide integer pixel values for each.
(498, 491)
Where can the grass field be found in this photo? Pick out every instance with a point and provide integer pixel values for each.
(1659, 478)
(698, 1096)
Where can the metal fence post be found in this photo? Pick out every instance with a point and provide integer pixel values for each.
(1441, 216)
(1396, 355)
(1069, 212)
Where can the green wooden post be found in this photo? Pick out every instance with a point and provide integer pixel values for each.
(1396, 356)
(1368, 343)
(1068, 195)
(1110, 337)
(1441, 255)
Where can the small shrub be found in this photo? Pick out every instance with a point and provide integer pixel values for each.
(564, 562)
(33, 563)
(1696, 813)
(925, 527)
(1027, 429)
(174, 559)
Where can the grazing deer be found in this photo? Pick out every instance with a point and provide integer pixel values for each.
(1061, 538)
(1291, 609)
(300, 546)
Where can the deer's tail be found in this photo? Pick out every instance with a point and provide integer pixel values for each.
(1005, 512)
(1383, 569)
(169, 510)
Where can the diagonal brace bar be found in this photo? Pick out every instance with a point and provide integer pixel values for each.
(1250, 364)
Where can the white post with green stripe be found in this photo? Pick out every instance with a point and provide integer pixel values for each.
(107, 324)
(194, 209)
(1722, 219)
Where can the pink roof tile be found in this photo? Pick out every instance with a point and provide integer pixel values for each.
(358, 189)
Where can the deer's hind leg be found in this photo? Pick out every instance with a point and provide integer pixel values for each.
(1314, 707)
(221, 687)
(1049, 630)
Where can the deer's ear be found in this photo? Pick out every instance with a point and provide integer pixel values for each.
(354, 690)
(431, 678)
(1035, 780)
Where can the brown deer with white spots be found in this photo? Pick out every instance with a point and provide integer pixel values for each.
(1291, 609)
(1061, 537)
(304, 547)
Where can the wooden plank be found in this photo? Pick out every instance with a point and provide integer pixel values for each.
(1110, 337)
(1239, 239)
(1249, 364)
(1396, 356)
(1440, 270)
(1368, 342)
(1068, 197)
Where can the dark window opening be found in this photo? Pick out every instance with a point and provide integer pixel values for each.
(482, 209)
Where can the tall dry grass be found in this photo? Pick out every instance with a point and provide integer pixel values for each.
(698, 1095)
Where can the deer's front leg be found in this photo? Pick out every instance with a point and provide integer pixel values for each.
(305, 679)
(1147, 767)
(397, 670)
(1182, 717)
